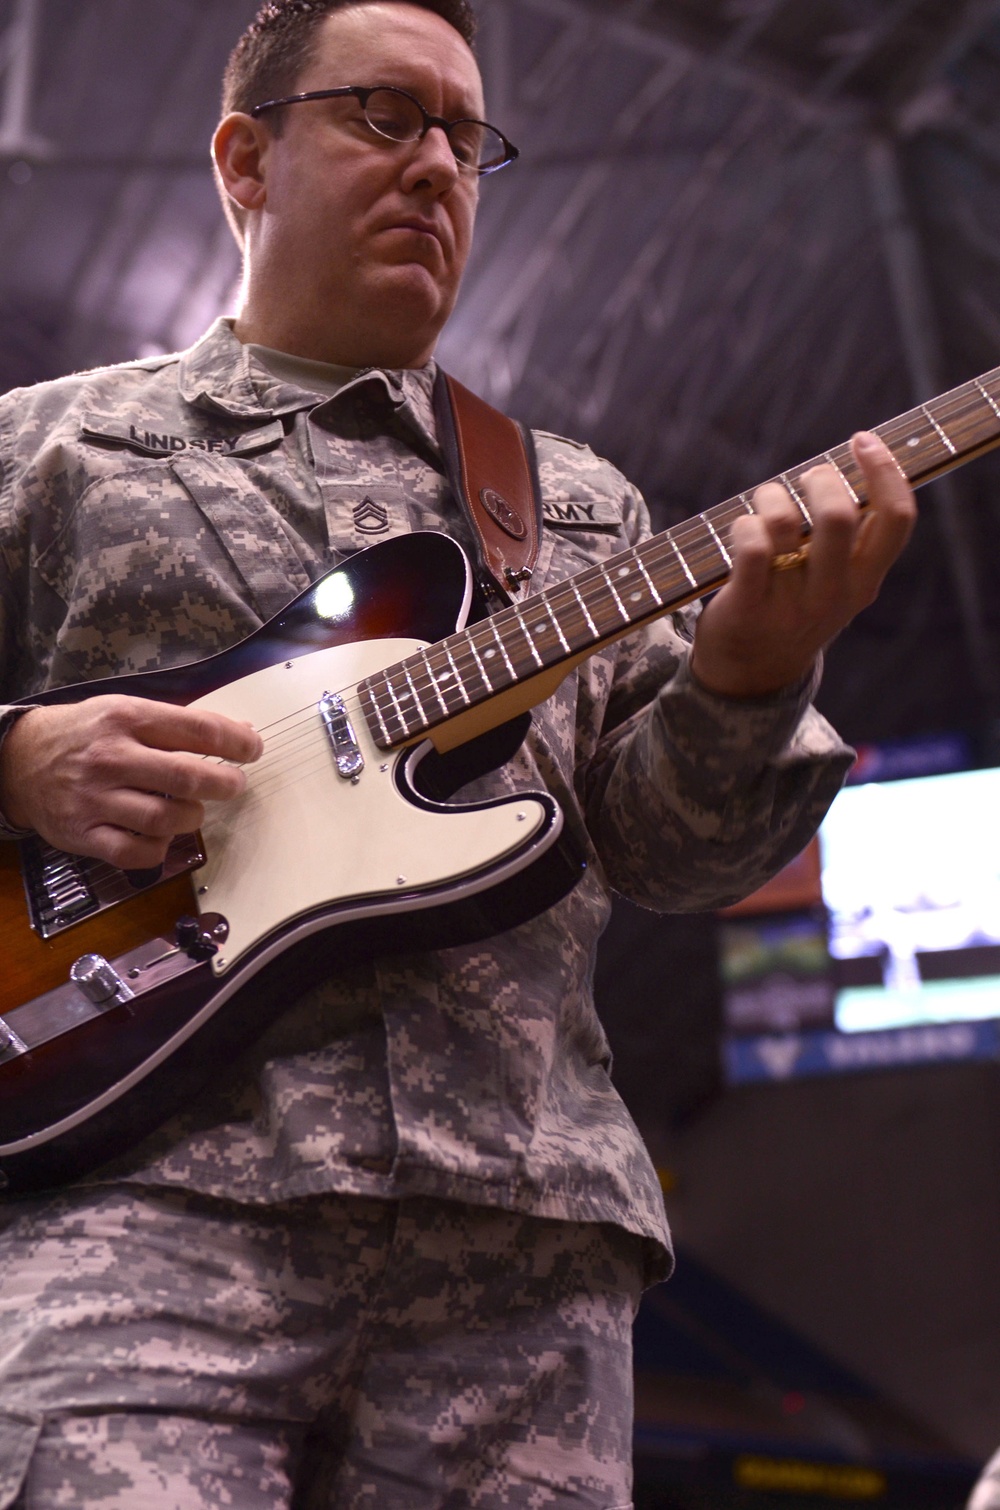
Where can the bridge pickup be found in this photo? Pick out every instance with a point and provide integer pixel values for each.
(346, 753)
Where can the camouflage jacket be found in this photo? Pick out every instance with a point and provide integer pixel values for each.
(157, 512)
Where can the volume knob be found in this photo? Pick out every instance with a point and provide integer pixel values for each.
(98, 980)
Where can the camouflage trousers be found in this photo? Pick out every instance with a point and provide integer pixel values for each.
(164, 1351)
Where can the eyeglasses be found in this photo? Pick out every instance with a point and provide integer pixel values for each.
(398, 116)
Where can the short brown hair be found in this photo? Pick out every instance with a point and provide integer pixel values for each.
(274, 50)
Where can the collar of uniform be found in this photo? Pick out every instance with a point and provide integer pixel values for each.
(410, 391)
(417, 405)
(219, 373)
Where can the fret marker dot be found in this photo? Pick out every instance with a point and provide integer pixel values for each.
(635, 597)
(624, 571)
(488, 655)
(914, 440)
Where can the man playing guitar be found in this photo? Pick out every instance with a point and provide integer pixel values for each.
(392, 1254)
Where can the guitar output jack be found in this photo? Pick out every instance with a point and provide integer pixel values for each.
(201, 937)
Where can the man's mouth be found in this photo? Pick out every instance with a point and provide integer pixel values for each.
(415, 223)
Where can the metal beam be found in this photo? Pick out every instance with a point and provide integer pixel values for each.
(607, 336)
(919, 335)
(18, 51)
(516, 314)
(513, 322)
(967, 24)
(871, 38)
(660, 35)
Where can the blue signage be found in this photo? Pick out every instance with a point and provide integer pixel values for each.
(790, 1056)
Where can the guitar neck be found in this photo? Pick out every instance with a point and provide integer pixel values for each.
(530, 641)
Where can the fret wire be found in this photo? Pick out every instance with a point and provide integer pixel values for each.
(593, 581)
(482, 669)
(527, 635)
(677, 552)
(797, 499)
(415, 695)
(964, 410)
(684, 579)
(694, 531)
(556, 624)
(827, 456)
(378, 712)
(715, 536)
(459, 678)
(586, 612)
(433, 680)
(924, 410)
(614, 593)
(649, 581)
(705, 561)
(632, 584)
(988, 397)
(503, 649)
(678, 556)
(404, 726)
(726, 514)
(954, 406)
(917, 445)
(693, 542)
(566, 595)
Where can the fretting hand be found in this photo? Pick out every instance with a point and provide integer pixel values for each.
(764, 628)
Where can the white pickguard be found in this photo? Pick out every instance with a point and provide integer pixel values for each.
(303, 837)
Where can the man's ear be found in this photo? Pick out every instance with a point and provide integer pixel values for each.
(239, 150)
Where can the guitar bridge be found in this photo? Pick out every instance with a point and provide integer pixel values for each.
(63, 889)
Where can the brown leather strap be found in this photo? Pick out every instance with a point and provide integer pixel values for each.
(491, 467)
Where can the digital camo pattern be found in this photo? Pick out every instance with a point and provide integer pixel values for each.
(986, 1495)
(166, 1349)
(157, 512)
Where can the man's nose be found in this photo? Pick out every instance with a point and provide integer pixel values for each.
(433, 161)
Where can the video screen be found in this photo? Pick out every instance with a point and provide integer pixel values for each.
(911, 880)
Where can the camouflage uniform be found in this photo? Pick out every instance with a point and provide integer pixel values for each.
(155, 513)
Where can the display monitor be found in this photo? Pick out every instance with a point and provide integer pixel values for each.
(911, 880)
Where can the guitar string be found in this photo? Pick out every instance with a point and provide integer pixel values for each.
(662, 546)
(680, 536)
(302, 724)
(117, 888)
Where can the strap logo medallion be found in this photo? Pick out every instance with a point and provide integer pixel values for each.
(499, 509)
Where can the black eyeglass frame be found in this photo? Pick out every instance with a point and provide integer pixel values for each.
(362, 93)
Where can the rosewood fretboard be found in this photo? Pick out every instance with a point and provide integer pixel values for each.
(576, 616)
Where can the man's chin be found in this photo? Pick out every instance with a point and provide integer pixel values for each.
(412, 301)
(407, 313)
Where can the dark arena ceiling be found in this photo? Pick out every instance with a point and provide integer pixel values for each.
(739, 229)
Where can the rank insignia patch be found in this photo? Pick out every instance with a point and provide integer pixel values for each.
(371, 518)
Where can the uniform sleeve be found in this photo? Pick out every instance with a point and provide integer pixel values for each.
(694, 800)
(12, 609)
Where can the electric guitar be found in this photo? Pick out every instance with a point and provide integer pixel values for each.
(378, 696)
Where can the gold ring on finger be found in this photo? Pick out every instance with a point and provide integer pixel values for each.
(788, 560)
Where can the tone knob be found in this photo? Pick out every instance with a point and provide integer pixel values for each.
(98, 980)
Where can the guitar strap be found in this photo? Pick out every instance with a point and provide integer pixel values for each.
(490, 464)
